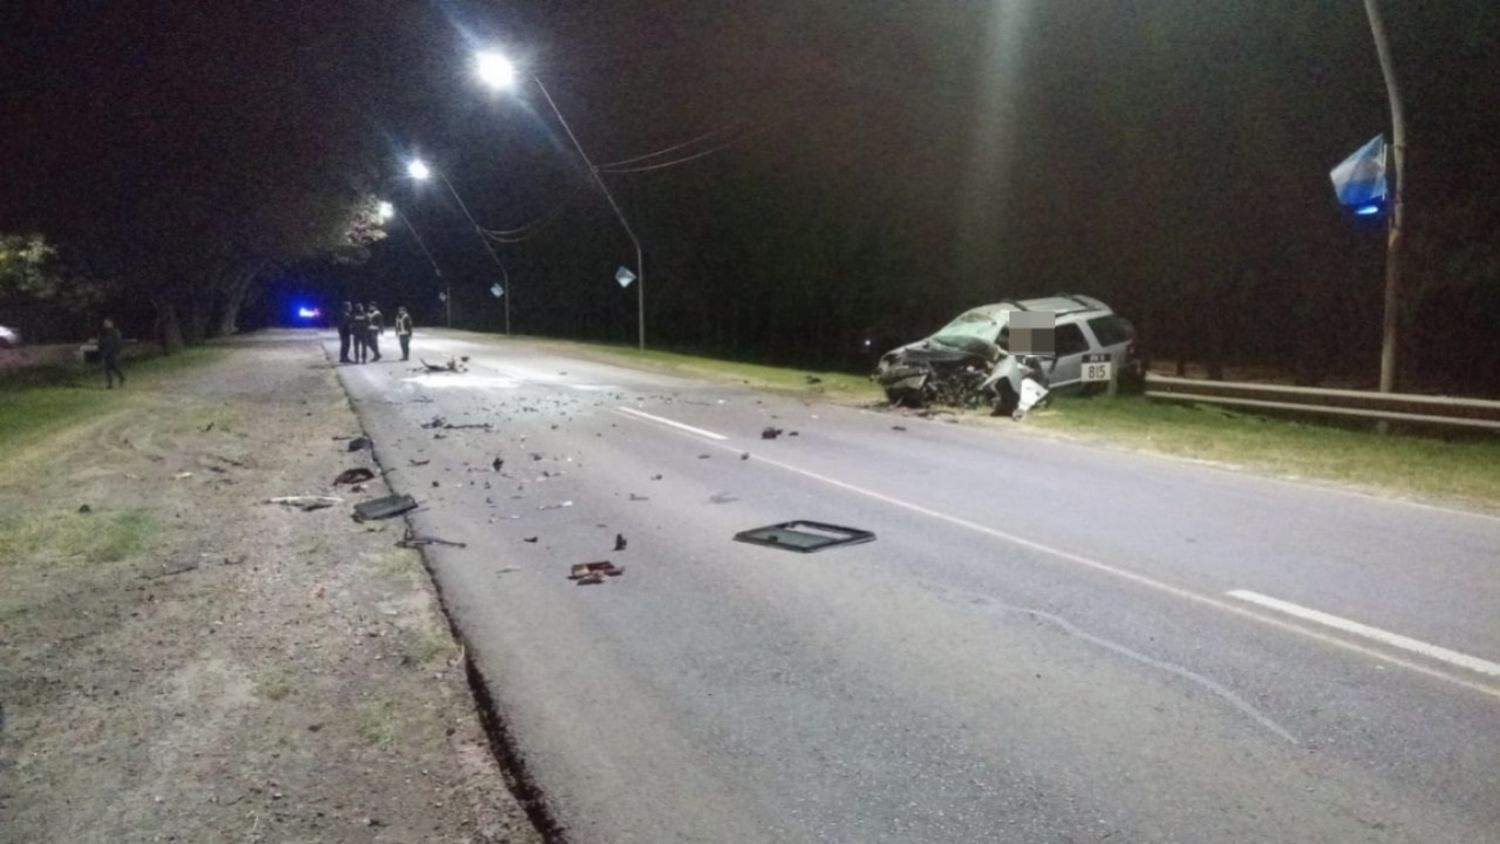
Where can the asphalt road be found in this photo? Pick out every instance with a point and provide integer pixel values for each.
(1046, 642)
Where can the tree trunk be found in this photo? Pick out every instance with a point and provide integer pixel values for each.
(229, 306)
(199, 310)
(168, 326)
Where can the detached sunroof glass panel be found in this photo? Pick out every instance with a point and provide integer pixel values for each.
(804, 536)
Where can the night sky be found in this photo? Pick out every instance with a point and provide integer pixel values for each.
(887, 164)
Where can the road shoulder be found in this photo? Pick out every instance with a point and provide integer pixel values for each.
(185, 662)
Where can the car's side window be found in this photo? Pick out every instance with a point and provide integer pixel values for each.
(1110, 330)
(1070, 340)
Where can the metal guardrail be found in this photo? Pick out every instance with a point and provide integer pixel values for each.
(1395, 407)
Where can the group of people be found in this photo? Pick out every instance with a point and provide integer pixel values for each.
(361, 326)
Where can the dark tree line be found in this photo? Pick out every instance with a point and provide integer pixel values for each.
(909, 162)
(889, 165)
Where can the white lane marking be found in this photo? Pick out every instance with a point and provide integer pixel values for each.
(678, 425)
(1106, 568)
(1395, 640)
(594, 388)
(464, 380)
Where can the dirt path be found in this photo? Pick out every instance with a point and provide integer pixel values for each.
(183, 662)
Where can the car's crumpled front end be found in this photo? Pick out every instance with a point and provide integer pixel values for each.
(961, 372)
(938, 370)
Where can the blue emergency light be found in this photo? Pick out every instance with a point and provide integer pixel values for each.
(1359, 180)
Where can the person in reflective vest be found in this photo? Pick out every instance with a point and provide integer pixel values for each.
(403, 331)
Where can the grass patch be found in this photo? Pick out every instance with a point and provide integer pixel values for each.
(395, 565)
(37, 401)
(377, 722)
(74, 537)
(423, 646)
(837, 386)
(273, 683)
(1465, 468)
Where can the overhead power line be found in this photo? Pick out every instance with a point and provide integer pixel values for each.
(531, 229)
(685, 159)
(703, 137)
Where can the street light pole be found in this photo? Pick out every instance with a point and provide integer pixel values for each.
(640, 265)
(505, 298)
(438, 271)
(1397, 193)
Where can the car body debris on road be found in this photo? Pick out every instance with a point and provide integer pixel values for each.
(589, 574)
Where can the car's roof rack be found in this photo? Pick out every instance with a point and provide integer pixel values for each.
(1076, 298)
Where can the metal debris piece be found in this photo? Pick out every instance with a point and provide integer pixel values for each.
(451, 366)
(744, 455)
(804, 536)
(589, 574)
(791, 433)
(554, 506)
(306, 503)
(656, 477)
(412, 540)
(531, 539)
(498, 464)
(384, 508)
(770, 433)
(418, 462)
(171, 569)
(704, 456)
(360, 443)
(357, 475)
(619, 542)
(898, 427)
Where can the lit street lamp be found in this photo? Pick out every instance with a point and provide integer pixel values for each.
(419, 171)
(497, 73)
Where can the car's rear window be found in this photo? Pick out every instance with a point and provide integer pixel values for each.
(1110, 330)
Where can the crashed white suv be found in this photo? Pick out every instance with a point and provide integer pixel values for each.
(950, 366)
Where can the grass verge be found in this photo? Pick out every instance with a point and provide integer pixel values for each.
(834, 386)
(40, 400)
(56, 537)
(1464, 469)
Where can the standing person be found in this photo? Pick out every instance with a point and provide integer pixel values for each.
(376, 328)
(110, 344)
(359, 325)
(345, 326)
(403, 331)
